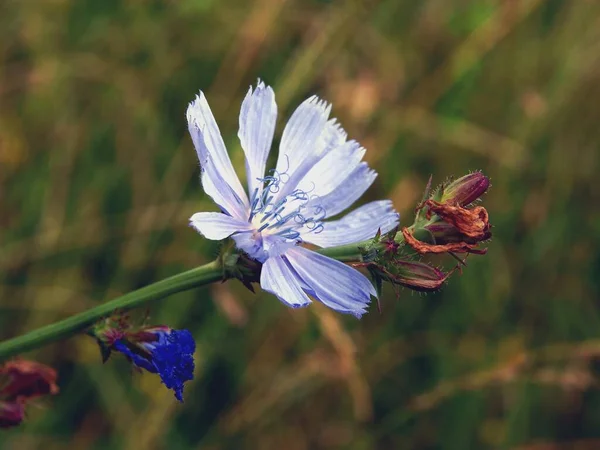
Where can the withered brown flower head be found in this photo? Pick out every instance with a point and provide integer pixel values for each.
(11, 414)
(452, 226)
(472, 223)
(20, 382)
(27, 380)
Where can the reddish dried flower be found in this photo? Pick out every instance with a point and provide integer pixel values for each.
(27, 380)
(23, 381)
(455, 247)
(456, 230)
(11, 414)
(473, 223)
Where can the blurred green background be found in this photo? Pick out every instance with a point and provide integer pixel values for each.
(99, 178)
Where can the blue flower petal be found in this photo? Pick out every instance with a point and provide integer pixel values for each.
(347, 192)
(257, 126)
(218, 177)
(136, 358)
(335, 284)
(217, 226)
(280, 279)
(356, 226)
(173, 358)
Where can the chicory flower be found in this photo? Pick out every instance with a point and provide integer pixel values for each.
(318, 174)
(169, 353)
(156, 349)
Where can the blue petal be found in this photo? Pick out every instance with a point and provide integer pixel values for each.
(357, 226)
(333, 136)
(251, 243)
(278, 278)
(218, 176)
(137, 359)
(335, 284)
(173, 358)
(257, 125)
(217, 226)
(332, 169)
(347, 192)
(221, 192)
(300, 145)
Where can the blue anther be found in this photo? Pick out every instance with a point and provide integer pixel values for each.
(263, 227)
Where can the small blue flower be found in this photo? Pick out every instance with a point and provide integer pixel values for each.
(161, 350)
(318, 174)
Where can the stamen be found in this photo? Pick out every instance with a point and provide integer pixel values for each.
(265, 217)
(287, 165)
(270, 213)
(301, 217)
(281, 177)
(318, 229)
(263, 227)
(289, 234)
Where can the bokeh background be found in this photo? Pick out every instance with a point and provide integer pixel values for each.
(99, 177)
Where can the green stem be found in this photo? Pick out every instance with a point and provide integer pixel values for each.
(345, 253)
(200, 276)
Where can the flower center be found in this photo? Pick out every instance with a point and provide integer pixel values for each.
(284, 217)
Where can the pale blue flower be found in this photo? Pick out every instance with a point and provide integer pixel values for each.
(318, 174)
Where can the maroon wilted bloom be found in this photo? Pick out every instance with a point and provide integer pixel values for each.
(473, 223)
(27, 380)
(465, 190)
(455, 229)
(453, 247)
(458, 230)
(11, 414)
(20, 382)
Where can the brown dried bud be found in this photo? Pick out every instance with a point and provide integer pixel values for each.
(465, 190)
(440, 247)
(20, 382)
(456, 230)
(473, 223)
(27, 380)
(11, 414)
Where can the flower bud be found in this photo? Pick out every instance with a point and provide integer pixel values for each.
(444, 233)
(465, 190)
(417, 276)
